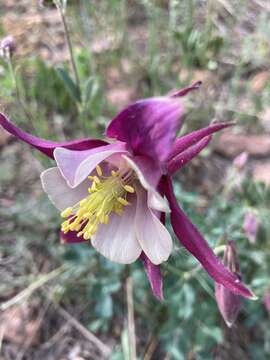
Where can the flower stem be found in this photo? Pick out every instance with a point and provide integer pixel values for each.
(70, 48)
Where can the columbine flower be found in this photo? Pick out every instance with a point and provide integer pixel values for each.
(228, 302)
(7, 46)
(116, 193)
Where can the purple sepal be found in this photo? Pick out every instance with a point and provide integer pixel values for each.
(186, 90)
(71, 238)
(154, 276)
(187, 155)
(45, 146)
(184, 142)
(229, 303)
(193, 241)
(148, 127)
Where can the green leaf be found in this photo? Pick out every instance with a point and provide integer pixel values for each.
(105, 306)
(70, 85)
(91, 89)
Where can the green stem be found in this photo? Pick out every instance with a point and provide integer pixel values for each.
(190, 11)
(70, 48)
(17, 91)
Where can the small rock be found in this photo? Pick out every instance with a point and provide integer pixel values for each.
(261, 172)
(265, 119)
(120, 96)
(259, 81)
(232, 145)
(16, 325)
(4, 137)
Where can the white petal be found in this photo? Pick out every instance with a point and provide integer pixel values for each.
(76, 165)
(156, 202)
(117, 240)
(60, 194)
(153, 236)
(149, 180)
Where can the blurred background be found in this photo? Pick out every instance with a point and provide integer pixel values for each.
(74, 67)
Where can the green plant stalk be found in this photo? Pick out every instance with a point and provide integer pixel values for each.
(69, 44)
(17, 91)
(190, 12)
(208, 26)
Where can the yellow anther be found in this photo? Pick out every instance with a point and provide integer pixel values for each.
(80, 212)
(100, 214)
(96, 180)
(106, 195)
(119, 211)
(86, 235)
(74, 224)
(93, 187)
(86, 215)
(83, 202)
(90, 177)
(99, 170)
(129, 188)
(65, 223)
(104, 219)
(122, 201)
(72, 227)
(67, 212)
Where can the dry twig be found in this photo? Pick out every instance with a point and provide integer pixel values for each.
(131, 322)
(104, 349)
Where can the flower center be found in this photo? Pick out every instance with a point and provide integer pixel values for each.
(107, 194)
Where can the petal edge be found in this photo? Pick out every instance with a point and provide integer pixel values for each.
(46, 146)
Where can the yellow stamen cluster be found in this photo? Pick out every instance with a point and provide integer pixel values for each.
(106, 195)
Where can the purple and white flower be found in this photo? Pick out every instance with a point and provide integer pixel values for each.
(116, 193)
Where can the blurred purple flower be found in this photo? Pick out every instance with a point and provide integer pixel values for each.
(7, 46)
(229, 303)
(94, 182)
(251, 226)
(241, 160)
(266, 300)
